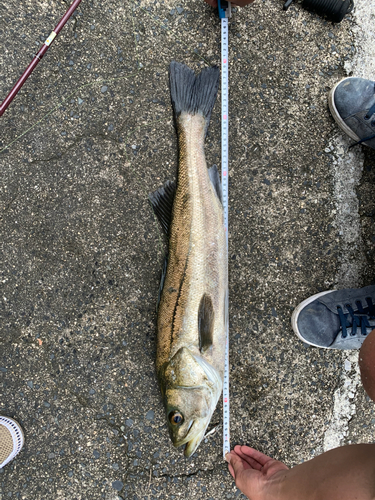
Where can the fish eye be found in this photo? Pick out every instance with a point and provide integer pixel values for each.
(175, 418)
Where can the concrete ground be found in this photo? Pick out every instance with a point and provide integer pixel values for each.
(82, 145)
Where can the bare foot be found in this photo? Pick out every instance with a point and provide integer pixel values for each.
(254, 472)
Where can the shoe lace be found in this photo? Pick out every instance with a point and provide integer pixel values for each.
(358, 319)
(370, 112)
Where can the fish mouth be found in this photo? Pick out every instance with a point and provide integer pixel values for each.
(186, 439)
(191, 443)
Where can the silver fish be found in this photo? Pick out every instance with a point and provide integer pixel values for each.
(194, 289)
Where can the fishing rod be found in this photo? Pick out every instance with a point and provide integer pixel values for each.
(224, 13)
(12, 94)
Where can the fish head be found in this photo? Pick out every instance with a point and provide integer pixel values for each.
(192, 388)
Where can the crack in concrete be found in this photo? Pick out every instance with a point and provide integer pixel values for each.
(79, 139)
(58, 156)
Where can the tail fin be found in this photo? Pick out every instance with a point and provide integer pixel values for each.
(193, 94)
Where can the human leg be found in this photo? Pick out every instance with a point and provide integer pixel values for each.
(343, 473)
(367, 364)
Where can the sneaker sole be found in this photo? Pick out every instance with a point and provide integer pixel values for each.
(340, 122)
(298, 309)
(18, 437)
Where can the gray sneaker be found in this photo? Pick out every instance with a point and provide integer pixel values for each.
(336, 319)
(352, 104)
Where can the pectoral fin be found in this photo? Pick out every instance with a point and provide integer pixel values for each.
(206, 317)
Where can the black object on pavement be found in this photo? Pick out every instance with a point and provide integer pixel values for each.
(334, 10)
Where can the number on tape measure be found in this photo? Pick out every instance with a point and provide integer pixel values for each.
(224, 183)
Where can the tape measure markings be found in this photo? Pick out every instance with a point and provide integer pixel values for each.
(224, 185)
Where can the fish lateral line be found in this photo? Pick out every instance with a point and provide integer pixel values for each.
(191, 319)
(189, 387)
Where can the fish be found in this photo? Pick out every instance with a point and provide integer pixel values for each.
(193, 296)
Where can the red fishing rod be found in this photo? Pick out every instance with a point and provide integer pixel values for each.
(12, 94)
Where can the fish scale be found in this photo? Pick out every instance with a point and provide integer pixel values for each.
(192, 219)
(191, 314)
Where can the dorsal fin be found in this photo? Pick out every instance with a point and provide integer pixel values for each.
(206, 317)
(162, 203)
(215, 179)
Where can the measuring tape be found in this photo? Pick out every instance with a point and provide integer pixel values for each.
(224, 13)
